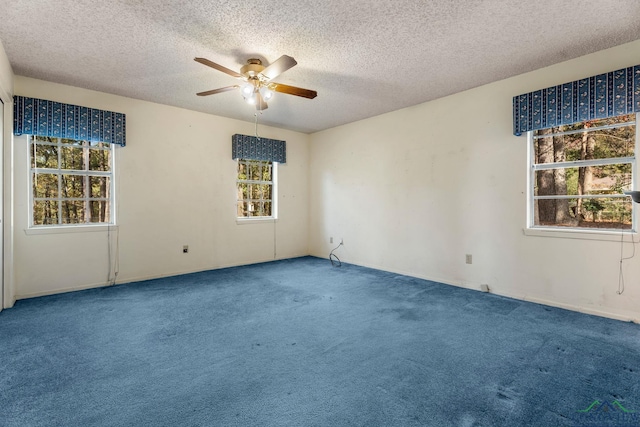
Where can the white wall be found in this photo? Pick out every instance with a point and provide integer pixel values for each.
(175, 187)
(415, 190)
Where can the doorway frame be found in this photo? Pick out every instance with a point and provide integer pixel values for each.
(6, 216)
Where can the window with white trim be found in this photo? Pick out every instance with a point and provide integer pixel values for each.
(578, 174)
(71, 182)
(256, 189)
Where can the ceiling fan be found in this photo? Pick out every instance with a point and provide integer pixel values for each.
(258, 87)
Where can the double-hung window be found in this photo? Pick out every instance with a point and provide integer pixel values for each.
(71, 182)
(579, 172)
(256, 189)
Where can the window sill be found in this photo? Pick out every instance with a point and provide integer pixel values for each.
(69, 229)
(255, 220)
(602, 235)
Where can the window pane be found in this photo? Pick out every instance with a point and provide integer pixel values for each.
(267, 208)
(255, 171)
(266, 191)
(242, 170)
(266, 172)
(257, 192)
(99, 186)
(243, 191)
(588, 144)
(99, 160)
(45, 156)
(603, 213)
(72, 212)
(71, 158)
(45, 185)
(99, 211)
(608, 179)
(72, 186)
(45, 212)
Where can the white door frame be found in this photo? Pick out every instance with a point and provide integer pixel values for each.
(2, 138)
(6, 185)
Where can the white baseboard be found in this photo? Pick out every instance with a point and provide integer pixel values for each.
(595, 311)
(122, 281)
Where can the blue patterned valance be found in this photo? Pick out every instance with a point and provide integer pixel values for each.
(253, 148)
(598, 97)
(33, 116)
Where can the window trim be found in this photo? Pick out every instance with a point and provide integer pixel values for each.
(75, 227)
(573, 232)
(274, 195)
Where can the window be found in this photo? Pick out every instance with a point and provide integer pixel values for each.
(71, 182)
(579, 173)
(256, 189)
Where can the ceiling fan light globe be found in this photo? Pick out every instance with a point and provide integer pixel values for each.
(251, 99)
(266, 93)
(247, 90)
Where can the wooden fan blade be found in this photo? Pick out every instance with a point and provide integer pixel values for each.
(292, 90)
(261, 104)
(214, 91)
(278, 67)
(218, 67)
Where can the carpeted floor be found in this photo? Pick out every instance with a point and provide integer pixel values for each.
(301, 343)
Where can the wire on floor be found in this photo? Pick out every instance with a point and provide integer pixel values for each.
(335, 261)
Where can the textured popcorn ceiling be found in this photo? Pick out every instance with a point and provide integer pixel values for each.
(364, 57)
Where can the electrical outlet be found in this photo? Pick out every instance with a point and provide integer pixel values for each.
(185, 249)
(469, 259)
(330, 239)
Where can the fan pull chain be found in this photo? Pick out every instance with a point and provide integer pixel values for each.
(256, 116)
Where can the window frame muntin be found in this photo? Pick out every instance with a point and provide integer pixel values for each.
(562, 230)
(87, 174)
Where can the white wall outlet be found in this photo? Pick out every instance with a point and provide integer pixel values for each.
(330, 239)
(468, 259)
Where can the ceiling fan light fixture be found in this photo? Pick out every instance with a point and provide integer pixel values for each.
(247, 90)
(251, 99)
(256, 87)
(266, 93)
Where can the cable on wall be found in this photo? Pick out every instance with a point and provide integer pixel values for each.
(620, 290)
(335, 261)
(114, 264)
(274, 237)
(635, 197)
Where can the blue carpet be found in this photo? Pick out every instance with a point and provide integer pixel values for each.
(301, 343)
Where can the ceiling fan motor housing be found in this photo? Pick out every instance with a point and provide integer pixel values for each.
(252, 68)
